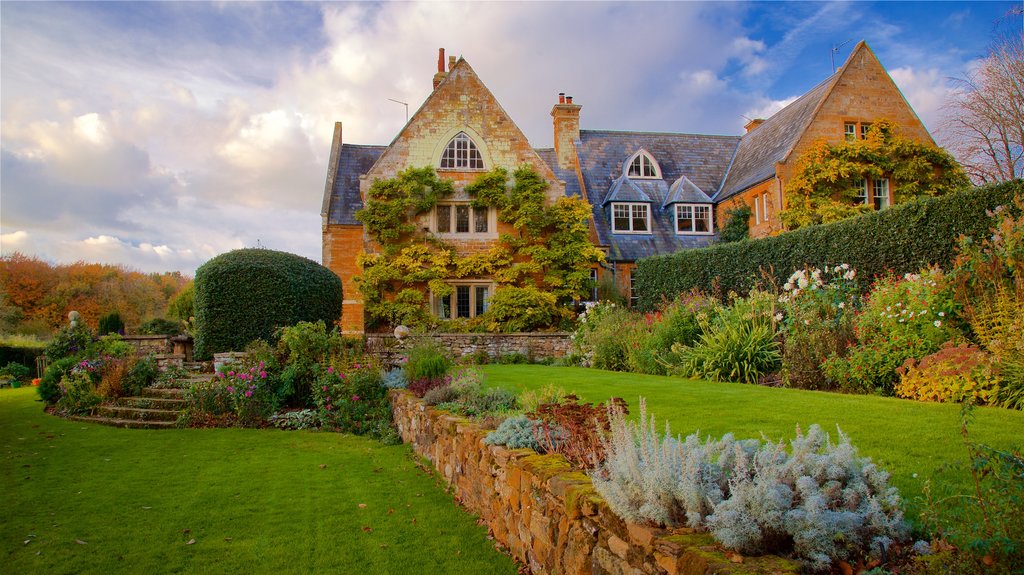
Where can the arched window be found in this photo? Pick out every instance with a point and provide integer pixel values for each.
(642, 165)
(461, 153)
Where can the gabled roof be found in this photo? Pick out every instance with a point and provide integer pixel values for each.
(344, 201)
(771, 142)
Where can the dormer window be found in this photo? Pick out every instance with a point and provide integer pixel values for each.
(461, 153)
(642, 165)
(693, 219)
(631, 218)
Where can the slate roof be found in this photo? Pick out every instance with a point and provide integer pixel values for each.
(353, 161)
(761, 148)
(701, 159)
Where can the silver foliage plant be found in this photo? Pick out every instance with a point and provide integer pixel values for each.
(515, 433)
(816, 499)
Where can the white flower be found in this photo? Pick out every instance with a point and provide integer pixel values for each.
(938, 323)
(924, 312)
(778, 316)
(842, 305)
(788, 286)
(850, 274)
(888, 308)
(845, 266)
(807, 322)
(899, 304)
(942, 314)
(802, 282)
(901, 320)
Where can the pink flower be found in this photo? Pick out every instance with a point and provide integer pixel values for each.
(231, 373)
(220, 374)
(330, 369)
(261, 365)
(323, 388)
(355, 398)
(248, 393)
(231, 389)
(357, 366)
(263, 374)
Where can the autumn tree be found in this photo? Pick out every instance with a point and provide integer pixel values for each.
(985, 114)
(828, 184)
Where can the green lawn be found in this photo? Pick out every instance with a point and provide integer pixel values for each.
(81, 498)
(911, 440)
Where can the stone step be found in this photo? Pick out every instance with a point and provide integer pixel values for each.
(151, 402)
(136, 413)
(163, 392)
(126, 423)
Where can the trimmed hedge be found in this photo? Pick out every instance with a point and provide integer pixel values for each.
(898, 240)
(246, 294)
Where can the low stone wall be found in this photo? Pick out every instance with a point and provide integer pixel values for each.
(149, 344)
(535, 346)
(549, 516)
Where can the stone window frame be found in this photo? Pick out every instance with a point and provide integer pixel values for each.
(435, 226)
(476, 307)
(631, 208)
(642, 161)
(461, 153)
(854, 130)
(693, 219)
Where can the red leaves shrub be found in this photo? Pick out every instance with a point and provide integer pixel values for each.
(574, 429)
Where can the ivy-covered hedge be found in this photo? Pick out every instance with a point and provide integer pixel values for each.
(246, 294)
(899, 240)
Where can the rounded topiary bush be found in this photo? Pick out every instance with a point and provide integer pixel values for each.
(246, 294)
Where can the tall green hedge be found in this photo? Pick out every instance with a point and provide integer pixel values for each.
(246, 294)
(898, 240)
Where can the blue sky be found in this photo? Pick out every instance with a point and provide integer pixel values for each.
(159, 134)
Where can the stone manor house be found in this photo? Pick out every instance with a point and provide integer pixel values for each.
(650, 193)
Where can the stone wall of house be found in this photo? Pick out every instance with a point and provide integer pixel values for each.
(535, 346)
(150, 344)
(550, 517)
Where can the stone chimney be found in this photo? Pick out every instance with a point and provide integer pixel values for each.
(440, 75)
(753, 124)
(567, 130)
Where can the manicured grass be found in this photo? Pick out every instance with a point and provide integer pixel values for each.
(911, 440)
(254, 501)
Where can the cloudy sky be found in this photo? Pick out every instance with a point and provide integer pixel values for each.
(160, 134)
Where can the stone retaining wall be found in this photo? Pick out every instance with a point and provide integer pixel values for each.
(535, 346)
(549, 516)
(149, 344)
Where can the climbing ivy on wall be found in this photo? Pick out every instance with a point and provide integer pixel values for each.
(549, 251)
(823, 188)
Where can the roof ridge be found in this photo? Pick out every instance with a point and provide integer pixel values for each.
(625, 132)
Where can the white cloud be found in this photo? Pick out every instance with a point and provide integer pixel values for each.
(926, 90)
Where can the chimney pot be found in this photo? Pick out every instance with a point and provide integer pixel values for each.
(440, 60)
(568, 99)
(561, 97)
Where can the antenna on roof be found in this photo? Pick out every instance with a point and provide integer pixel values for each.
(406, 108)
(835, 50)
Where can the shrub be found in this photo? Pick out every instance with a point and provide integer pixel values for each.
(49, 387)
(440, 394)
(817, 500)
(68, 341)
(955, 373)
(394, 378)
(111, 323)
(574, 429)
(531, 399)
(112, 379)
(602, 336)
(304, 346)
(208, 404)
(247, 294)
(677, 322)
(354, 401)
(903, 318)
(737, 224)
(739, 344)
(818, 308)
(523, 309)
(111, 345)
(143, 373)
(77, 393)
(517, 432)
(988, 281)
(898, 240)
(160, 326)
(16, 372)
(426, 359)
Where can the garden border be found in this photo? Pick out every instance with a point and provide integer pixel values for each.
(549, 516)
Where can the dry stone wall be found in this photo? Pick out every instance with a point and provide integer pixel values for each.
(550, 517)
(535, 346)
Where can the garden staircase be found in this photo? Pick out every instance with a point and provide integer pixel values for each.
(153, 408)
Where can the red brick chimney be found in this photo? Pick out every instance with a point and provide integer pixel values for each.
(439, 76)
(567, 130)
